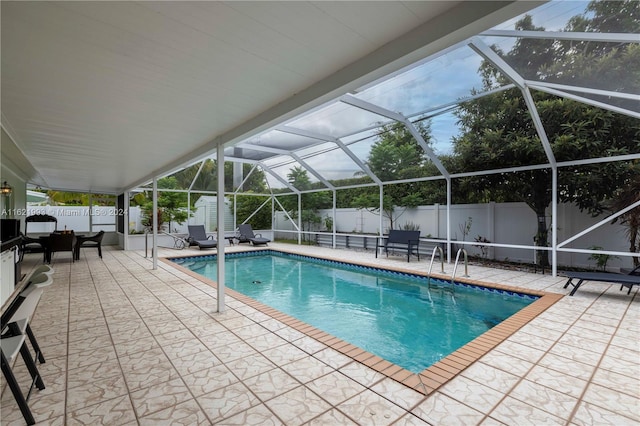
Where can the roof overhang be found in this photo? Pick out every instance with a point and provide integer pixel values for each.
(102, 97)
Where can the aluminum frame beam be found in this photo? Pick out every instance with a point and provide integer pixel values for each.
(274, 174)
(565, 35)
(490, 55)
(337, 141)
(583, 100)
(368, 106)
(569, 88)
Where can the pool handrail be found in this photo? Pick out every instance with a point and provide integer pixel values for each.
(433, 254)
(466, 264)
(450, 288)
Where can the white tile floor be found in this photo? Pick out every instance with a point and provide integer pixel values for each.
(129, 345)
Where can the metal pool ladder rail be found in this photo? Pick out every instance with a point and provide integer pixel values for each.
(442, 288)
(455, 266)
(433, 255)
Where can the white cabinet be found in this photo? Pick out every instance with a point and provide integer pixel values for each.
(7, 274)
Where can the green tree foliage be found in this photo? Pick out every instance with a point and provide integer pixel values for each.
(247, 205)
(203, 181)
(207, 179)
(172, 206)
(623, 198)
(80, 198)
(311, 201)
(345, 198)
(396, 155)
(498, 131)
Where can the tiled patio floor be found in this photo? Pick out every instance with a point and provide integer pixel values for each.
(128, 345)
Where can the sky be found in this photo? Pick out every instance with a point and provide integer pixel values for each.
(434, 82)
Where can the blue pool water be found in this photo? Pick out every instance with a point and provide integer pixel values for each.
(393, 315)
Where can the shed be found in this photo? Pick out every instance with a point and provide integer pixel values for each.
(206, 213)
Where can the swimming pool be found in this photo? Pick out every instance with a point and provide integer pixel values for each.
(397, 316)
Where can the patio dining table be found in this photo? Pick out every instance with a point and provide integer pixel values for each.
(44, 240)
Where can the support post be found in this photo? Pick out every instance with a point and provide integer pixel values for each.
(154, 223)
(221, 240)
(299, 218)
(333, 221)
(554, 221)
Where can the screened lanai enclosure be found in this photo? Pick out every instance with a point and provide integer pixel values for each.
(522, 142)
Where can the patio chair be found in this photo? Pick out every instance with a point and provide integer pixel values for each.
(35, 244)
(92, 241)
(59, 241)
(23, 308)
(10, 346)
(625, 280)
(246, 235)
(198, 237)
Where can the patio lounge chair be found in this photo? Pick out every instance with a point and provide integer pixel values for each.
(198, 237)
(628, 280)
(246, 235)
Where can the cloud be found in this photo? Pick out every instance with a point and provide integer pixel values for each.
(434, 83)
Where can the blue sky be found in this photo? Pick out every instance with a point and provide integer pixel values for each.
(433, 83)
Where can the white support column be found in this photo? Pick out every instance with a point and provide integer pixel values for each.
(90, 213)
(154, 223)
(554, 221)
(333, 222)
(491, 227)
(189, 206)
(381, 231)
(273, 215)
(299, 218)
(126, 207)
(448, 220)
(220, 224)
(436, 218)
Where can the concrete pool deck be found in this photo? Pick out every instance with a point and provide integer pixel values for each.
(129, 345)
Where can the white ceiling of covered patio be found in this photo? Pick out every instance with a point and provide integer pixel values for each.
(102, 96)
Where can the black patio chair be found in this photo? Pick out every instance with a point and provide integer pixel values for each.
(246, 235)
(625, 280)
(198, 237)
(91, 241)
(61, 241)
(35, 244)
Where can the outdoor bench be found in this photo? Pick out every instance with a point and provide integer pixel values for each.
(400, 240)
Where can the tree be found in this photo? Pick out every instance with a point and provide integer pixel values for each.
(247, 205)
(311, 201)
(80, 198)
(623, 198)
(172, 206)
(396, 155)
(498, 131)
(203, 177)
(207, 178)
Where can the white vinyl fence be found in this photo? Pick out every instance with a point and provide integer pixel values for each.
(77, 218)
(504, 223)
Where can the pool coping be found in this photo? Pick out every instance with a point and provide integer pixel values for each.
(434, 376)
